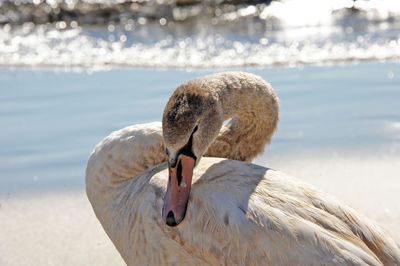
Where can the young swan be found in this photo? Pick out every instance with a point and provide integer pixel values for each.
(238, 213)
(192, 122)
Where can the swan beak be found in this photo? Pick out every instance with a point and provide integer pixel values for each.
(178, 190)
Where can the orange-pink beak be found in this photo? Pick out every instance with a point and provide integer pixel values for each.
(178, 190)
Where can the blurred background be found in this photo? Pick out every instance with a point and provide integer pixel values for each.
(73, 71)
(196, 34)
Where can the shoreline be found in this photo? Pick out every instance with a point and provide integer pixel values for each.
(124, 67)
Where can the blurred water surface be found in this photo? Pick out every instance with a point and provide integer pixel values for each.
(51, 121)
(196, 34)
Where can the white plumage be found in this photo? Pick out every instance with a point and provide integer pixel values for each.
(238, 213)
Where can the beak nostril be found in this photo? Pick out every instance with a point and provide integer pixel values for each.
(179, 172)
(170, 220)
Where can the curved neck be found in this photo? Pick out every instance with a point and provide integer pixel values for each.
(124, 154)
(253, 108)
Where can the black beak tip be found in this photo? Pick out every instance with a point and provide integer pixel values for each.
(170, 220)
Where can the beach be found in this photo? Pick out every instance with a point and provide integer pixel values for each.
(339, 131)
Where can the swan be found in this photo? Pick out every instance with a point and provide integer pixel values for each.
(164, 198)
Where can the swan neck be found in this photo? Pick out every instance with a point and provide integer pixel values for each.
(123, 155)
(253, 109)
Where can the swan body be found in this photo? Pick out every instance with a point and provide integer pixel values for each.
(238, 213)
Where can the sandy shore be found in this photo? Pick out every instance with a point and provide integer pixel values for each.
(61, 229)
(53, 229)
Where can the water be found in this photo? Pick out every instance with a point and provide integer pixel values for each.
(52, 120)
(164, 34)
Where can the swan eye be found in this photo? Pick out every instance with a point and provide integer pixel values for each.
(172, 162)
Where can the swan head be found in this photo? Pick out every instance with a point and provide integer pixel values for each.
(191, 121)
